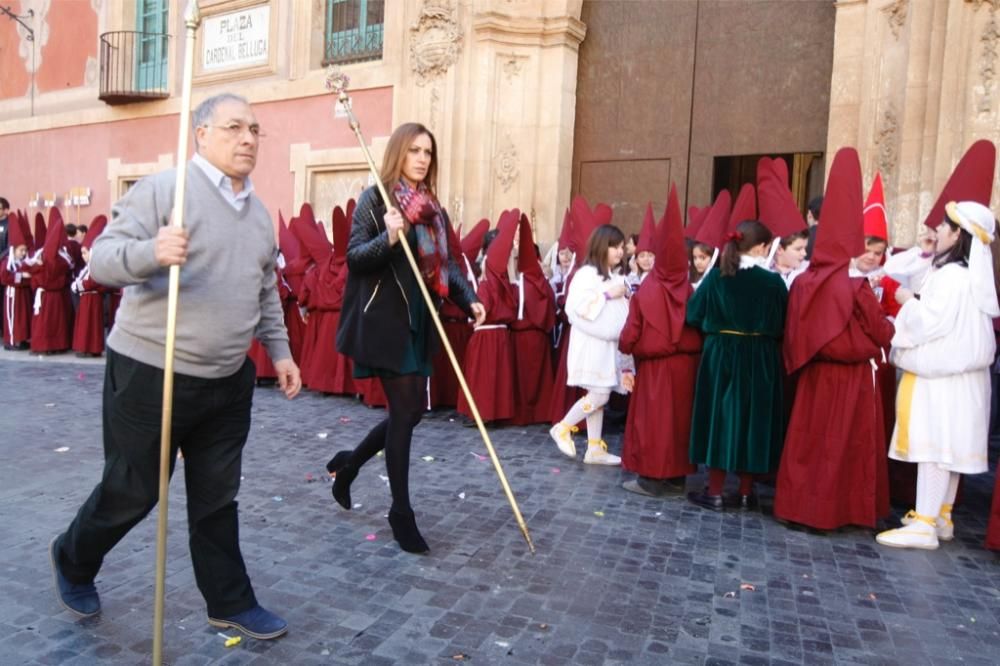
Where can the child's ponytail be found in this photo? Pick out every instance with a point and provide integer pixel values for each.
(748, 234)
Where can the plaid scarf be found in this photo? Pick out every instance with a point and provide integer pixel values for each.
(422, 210)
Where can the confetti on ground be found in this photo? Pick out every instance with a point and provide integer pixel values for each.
(459, 657)
(62, 449)
(427, 458)
(748, 587)
(357, 506)
(555, 470)
(380, 454)
(231, 641)
(659, 513)
(384, 478)
(50, 404)
(370, 537)
(461, 496)
(322, 435)
(81, 376)
(277, 498)
(543, 626)
(309, 478)
(502, 643)
(478, 457)
(599, 514)
(872, 597)
(729, 595)
(344, 419)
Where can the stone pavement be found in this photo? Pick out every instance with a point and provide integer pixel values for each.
(617, 579)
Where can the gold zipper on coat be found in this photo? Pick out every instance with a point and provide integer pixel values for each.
(375, 291)
(409, 318)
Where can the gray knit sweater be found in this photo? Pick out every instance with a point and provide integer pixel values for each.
(227, 285)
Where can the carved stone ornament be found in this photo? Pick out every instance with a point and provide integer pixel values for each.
(506, 165)
(994, 5)
(512, 65)
(435, 40)
(895, 13)
(885, 139)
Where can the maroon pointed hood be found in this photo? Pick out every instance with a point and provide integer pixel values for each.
(716, 225)
(696, 217)
(539, 306)
(287, 242)
(16, 231)
(341, 224)
(648, 232)
(822, 299)
(472, 242)
(311, 237)
(498, 253)
(778, 210)
(566, 233)
(663, 295)
(972, 180)
(97, 226)
(744, 208)
(584, 222)
(39, 230)
(55, 236)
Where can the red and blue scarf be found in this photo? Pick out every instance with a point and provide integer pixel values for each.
(422, 210)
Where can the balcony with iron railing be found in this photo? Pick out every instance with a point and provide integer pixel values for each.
(133, 67)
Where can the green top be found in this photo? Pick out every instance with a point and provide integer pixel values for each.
(738, 420)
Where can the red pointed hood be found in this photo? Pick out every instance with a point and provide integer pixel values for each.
(696, 217)
(287, 242)
(646, 236)
(713, 230)
(310, 236)
(585, 221)
(566, 233)
(341, 224)
(455, 247)
(472, 242)
(15, 231)
(97, 225)
(498, 253)
(778, 210)
(875, 222)
(349, 210)
(55, 237)
(539, 302)
(663, 295)
(527, 257)
(822, 298)
(40, 230)
(972, 180)
(744, 208)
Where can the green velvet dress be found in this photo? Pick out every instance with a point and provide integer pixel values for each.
(738, 421)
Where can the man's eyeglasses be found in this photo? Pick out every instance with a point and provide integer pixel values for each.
(237, 129)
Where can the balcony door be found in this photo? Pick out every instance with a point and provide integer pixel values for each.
(151, 44)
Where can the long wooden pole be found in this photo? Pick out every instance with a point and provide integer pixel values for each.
(192, 18)
(337, 83)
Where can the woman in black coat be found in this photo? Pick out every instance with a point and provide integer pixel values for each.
(385, 326)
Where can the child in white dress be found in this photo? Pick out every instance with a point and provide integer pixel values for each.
(596, 306)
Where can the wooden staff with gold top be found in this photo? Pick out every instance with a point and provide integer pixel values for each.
(337, 83)
(192, 18)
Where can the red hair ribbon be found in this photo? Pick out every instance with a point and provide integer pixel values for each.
(734, 236)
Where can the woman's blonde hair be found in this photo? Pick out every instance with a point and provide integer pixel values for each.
(395, 155)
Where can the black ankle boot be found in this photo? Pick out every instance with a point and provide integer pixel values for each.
(344, 475)
(405, 532)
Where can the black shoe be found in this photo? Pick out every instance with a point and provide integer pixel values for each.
(81, 600)
(343, 475)
(644, 485)
(706, 501)
(405, 532)
(743, 502)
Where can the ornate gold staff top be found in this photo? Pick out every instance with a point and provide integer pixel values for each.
(192, 18)
(337, 82)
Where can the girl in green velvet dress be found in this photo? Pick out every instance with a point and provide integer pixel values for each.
(738, 422)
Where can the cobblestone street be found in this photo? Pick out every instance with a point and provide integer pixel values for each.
(617, 579)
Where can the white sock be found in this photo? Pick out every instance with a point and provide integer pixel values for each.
(932, 487)
(949, 497)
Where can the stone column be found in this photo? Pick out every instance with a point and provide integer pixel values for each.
(914, 85)
(495, 80)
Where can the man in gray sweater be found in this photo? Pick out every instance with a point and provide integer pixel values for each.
(227, 296)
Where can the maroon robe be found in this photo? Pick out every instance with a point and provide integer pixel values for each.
(993, 529)
(489, 357)
(16, 303)
(531, 335)
(563, 396)
(88, 329)
(261, 360)
(52, 325)
(444, 387)
(833, 468)
(288, 289)
(323, 294)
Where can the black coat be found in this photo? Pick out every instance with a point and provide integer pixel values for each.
(375, 318)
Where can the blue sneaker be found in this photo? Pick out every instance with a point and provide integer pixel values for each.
(258, 622)
(81, 600)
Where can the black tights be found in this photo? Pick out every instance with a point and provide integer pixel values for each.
(406, 395)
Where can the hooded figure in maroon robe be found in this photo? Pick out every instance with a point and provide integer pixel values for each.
(88, 329)
(52, 323)
(833, 468)
(444, 388)
(16, 285)
(667, 352)
(582, 221)
(531, 334)
(292, 270)
(322, 293)
(489, 357)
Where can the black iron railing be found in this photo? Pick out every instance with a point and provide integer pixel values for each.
(133, 66)
(353, 30)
